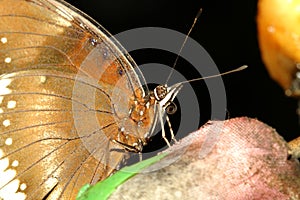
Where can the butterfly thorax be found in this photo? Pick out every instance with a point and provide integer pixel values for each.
(133, 134)
(143, 114)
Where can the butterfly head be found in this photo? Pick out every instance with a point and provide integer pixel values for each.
(165, 96)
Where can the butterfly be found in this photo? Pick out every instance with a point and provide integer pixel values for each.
(72, 101)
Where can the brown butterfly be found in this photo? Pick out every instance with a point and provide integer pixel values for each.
(72, 101)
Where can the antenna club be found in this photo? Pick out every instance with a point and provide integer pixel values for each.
(242, 67)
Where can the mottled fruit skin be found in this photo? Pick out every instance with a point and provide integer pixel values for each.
(240, 158)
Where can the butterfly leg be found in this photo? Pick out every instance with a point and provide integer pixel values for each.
(171, 130)
(163, 133)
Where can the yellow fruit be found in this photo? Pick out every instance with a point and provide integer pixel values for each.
(278, 23)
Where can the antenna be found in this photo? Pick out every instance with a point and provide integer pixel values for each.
(217, 75)
(184, 42)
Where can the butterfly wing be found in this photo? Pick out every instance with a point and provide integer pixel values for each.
(60, 79)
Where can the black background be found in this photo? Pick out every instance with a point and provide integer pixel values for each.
(227, 30)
